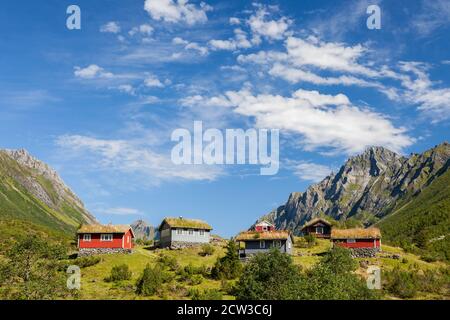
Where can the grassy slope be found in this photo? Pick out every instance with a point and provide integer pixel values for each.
(16, 203)
(93, 286)
(423, 220)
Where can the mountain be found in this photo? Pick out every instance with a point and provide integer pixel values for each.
(31, 191)
(367, 188)
(142, 230)
(423, 221)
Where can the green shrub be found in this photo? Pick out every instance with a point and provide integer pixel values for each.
(208, 294)
(310, 240)
(169, 262)
(150, 281)
(228, 267)
(119, 273)
(274, 276)
(85, 262)
(400, 283)
(207, 250)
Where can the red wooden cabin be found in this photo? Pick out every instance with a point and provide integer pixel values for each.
(357, 238)
(264, 226)
(318, 227)
(97, 236)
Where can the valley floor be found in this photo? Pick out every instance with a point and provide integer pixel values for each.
(93, 285)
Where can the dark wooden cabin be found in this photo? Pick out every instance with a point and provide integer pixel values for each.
(317, 227)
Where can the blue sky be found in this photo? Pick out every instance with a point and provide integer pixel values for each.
(99, 104)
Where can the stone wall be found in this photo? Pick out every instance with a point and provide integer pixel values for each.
(181, 244)
(83, 252)
(364, 252)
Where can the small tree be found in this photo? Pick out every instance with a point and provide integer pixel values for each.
(228, 267)
(271, 276)
(119, 273)
(150, 280)
(207, 250)
(32, 271)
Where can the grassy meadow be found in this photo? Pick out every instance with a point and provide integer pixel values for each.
(93, 285)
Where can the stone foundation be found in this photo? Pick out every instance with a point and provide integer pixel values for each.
(93, 251)
(175, 245)
(364, 252)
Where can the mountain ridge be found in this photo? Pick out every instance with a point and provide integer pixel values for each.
(31, 190)
(368, 187)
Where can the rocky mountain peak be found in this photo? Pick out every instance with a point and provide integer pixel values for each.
(44, 183)
(366, 187)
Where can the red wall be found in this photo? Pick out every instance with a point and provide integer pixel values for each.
(360, 243)
(115, 243)
(260, 228)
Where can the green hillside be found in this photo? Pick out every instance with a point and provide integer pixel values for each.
(424, 222)
(28, 195)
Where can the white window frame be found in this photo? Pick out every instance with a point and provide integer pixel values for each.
(351, 240)
(191, 232)
(262, 244)
(277, 243)
(179, 231)
(106, 237)
(202, 232)
(87, 237)
(321, 230)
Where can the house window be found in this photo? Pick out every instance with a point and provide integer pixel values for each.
(179, 231)
(262, 244)
(86, 237)
(106, 237)
(319, 230)
(202, 232)
(264, 228)
(278, 243)
(191, 232)
(351, 240)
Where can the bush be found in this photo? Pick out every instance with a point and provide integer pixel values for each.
(207, 250)
(119, 273)
(274, 276)
(191, 274)
(169, 262)
(85, 262)
(150, 281)
(310, 240)
(228, 267)
(400, 283)
(208, 294)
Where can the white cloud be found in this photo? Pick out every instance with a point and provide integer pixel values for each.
(420, 90)
(144, 29)
(310, 171)
(110, 27)
(323, 121)
(190, 46)
(119, 211)
(222, 44)
(431, 16)
(91, 72)
(153, 81)
(177, 11)
(134, 157)
(127, 88)
(234, 21)
(271, 29)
